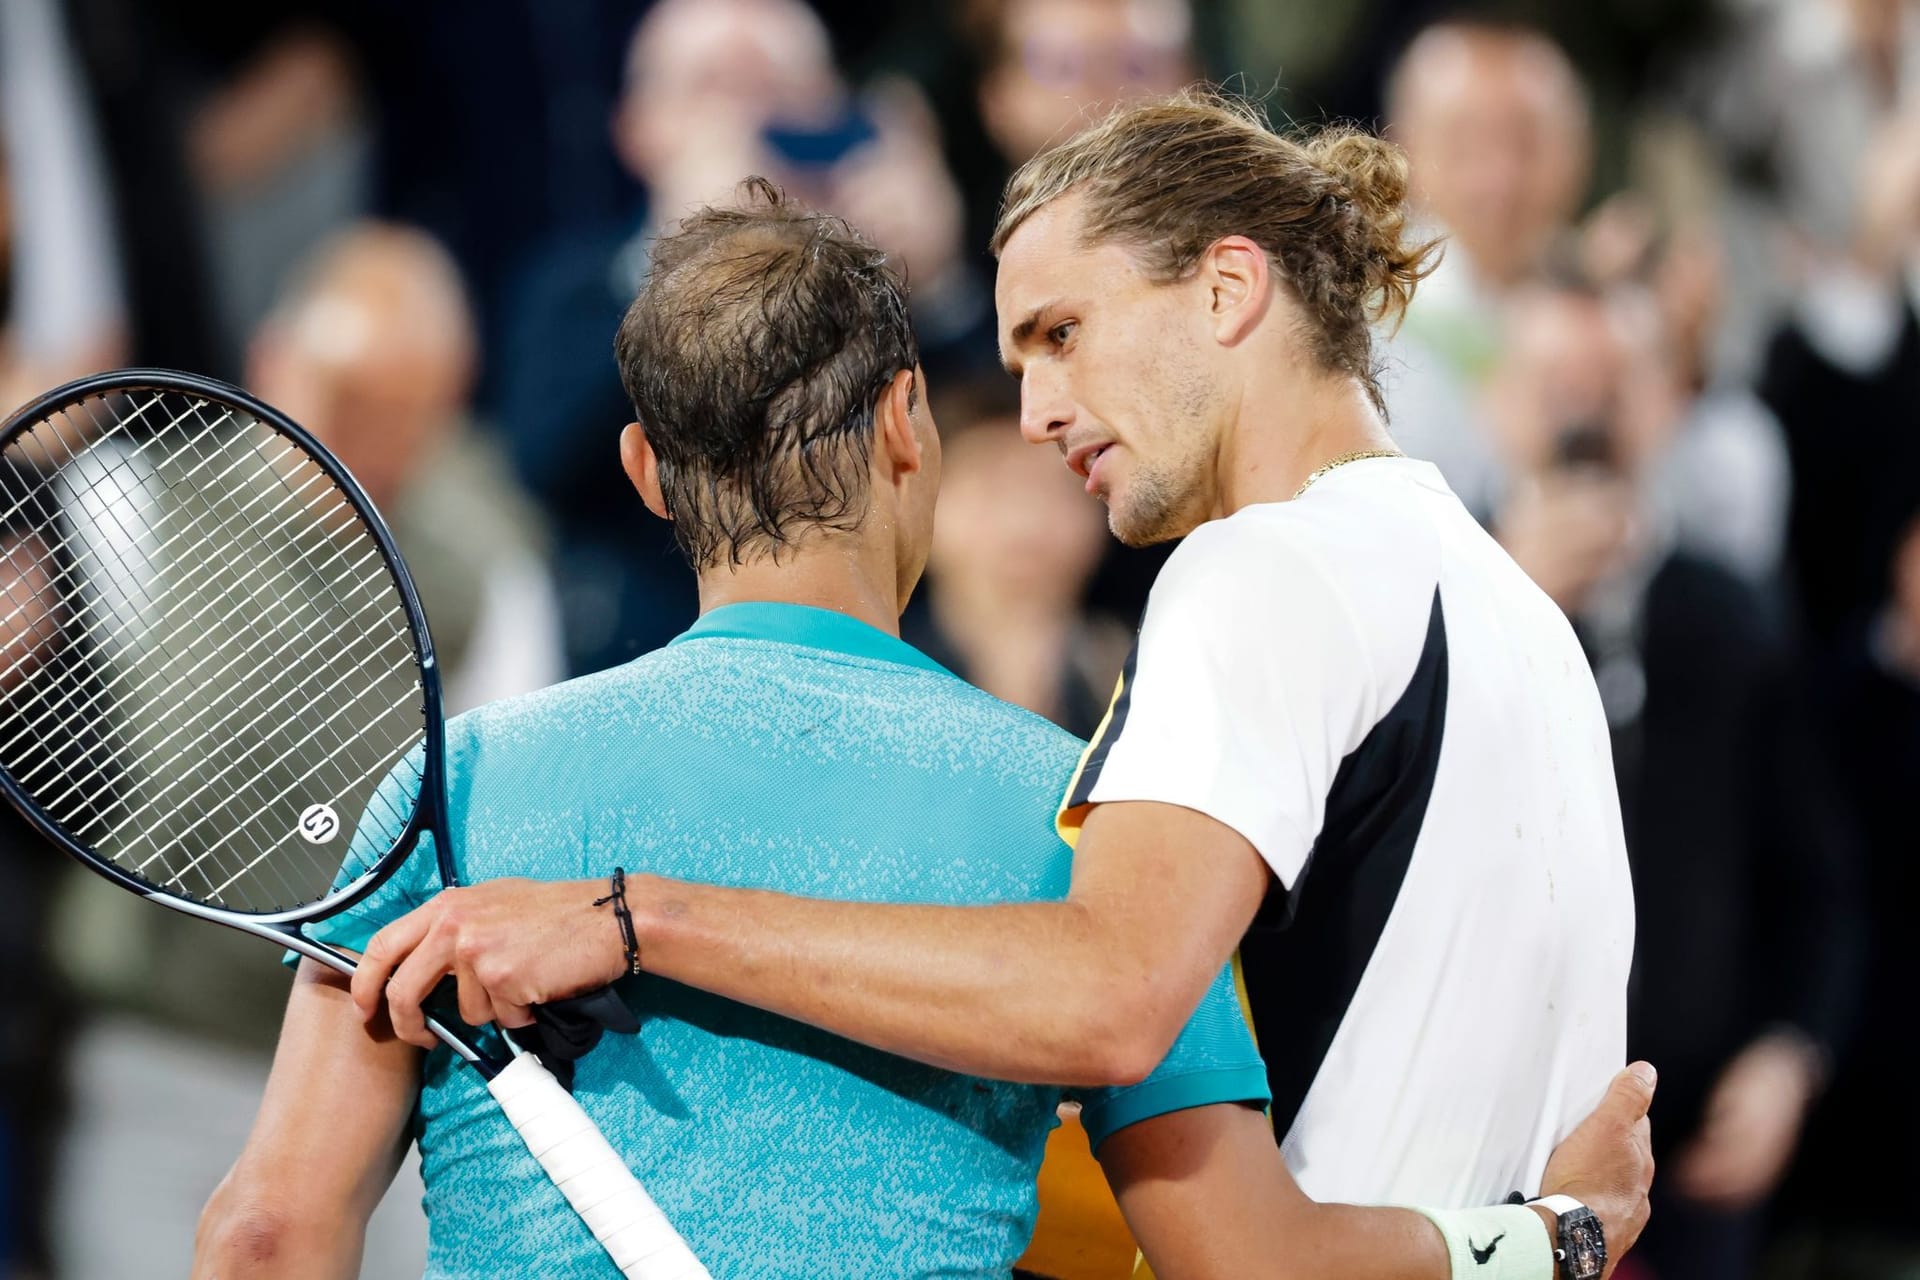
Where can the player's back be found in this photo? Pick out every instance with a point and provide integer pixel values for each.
(781, 748)
(1364, 686)
(1492, 1009)
(1496, 993)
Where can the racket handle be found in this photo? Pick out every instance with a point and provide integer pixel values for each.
(595, 1181)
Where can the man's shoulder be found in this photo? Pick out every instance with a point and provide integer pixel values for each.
(974, 709)
(556, 702)
(1265, 566)
(1310, 545)
(719, 686)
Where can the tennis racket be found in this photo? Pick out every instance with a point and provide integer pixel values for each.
(217, 690)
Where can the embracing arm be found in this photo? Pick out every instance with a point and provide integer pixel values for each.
(1091, 990)
(1208, 1197)
(330, 1133)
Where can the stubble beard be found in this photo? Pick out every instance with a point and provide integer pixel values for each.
(1154, 511)
(1165, 499)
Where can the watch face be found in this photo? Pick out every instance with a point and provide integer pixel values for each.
(1585, 1246)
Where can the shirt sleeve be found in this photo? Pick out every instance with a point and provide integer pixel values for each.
(1213, 1061)
(410, 885)
(1247, 686)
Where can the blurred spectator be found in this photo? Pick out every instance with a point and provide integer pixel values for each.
(278, 145)
(1333, 59)
(1723, 477)
(33, 1008)
(491, 118)
(1869, 1123)
(239, 136)
(374, 352)
(62, 313)
(1727, 478)
(1791, 98)
(65, 307)
(716, 90)
(1494, 122)
(1800, 92)
(1844, 376)
(1014, 546)
(1744, 962)
(1051, 67)
(1048, 69)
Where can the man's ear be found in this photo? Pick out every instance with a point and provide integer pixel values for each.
(896, 443)
(1239, 282)
(636, 456)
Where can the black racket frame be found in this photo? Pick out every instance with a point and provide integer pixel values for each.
(430, 809)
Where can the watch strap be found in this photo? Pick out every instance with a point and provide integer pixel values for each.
(1558, 1206)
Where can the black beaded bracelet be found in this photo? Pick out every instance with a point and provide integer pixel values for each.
(618, 897)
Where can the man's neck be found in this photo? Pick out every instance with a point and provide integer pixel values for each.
(824, 573)
(1285, 433)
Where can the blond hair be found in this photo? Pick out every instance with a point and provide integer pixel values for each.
(1171, 176)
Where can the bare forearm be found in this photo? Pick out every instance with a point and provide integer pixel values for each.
(328, 1136)
(1037, 992)
(1306, 1242)
(1358, 1243)
(1208, 1198)
(1091, 990)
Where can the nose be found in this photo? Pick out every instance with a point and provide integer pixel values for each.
(1046, 410)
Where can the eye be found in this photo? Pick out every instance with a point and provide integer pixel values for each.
(1059, 334)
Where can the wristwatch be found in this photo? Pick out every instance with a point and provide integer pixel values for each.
(1581, 1251)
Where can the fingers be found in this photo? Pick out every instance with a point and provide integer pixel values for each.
(384, 953)
(482, 938)
(1631, 1094)
(476, 1004)
(413, 982)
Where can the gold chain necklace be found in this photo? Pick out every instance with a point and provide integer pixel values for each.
(1343, 460)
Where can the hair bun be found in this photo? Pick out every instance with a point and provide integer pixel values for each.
(1372, 173)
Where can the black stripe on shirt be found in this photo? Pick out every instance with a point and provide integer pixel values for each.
(1082, 792)
(1304, 957)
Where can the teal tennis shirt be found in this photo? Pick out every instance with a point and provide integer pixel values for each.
(794, 749)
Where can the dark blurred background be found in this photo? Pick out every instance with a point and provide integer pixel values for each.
(1671, 358)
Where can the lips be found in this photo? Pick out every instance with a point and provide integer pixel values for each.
(1081, 458)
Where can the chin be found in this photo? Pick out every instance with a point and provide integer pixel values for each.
(1146, 513)
(1132, 531)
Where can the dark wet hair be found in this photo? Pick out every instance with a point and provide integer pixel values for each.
(754, 356)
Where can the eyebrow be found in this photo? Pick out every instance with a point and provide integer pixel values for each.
(1021, 333)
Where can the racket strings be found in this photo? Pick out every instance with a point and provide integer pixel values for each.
(198, 529)
(119, 632)
(201, 643)
(126, 598)
(242, 613)
(239, 610)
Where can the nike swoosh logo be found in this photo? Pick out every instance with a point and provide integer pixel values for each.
(1484, 1256)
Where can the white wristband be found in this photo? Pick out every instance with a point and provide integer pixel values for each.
(1500, 1242)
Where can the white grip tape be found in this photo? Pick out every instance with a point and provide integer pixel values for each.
(595, 1181)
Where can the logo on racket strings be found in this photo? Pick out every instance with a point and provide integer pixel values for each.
(319, 823)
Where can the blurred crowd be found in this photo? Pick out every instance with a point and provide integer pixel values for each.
(1671, 358)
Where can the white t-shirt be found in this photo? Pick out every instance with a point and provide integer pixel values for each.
(1366, 687)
